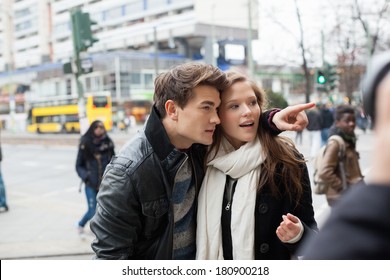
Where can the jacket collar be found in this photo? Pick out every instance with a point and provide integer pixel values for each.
(170, 157)
(157, 136)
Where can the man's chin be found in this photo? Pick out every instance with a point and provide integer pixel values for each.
(206, 141)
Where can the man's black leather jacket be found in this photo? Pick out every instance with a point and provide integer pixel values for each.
(134, 215)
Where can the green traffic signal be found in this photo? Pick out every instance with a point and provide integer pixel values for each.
(321, 79)
(81, 28)
(327, 77)
(332, 77)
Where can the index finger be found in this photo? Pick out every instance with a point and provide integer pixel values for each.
(302, 107)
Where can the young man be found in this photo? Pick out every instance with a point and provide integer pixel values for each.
(330, 174)
(148, 197)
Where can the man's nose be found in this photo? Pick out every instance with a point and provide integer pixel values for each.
(215, 118)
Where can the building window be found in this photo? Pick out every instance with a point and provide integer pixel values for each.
(135, 78)
(155, 4)
(134, 7)
(23, 25)
(93, 83)
(148, 80)
(114, 13)
(22, 13)
(62, 27)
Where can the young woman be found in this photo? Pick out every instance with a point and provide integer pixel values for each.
(95, 151)
(255, 201)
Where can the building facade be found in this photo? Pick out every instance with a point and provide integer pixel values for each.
(137, 39)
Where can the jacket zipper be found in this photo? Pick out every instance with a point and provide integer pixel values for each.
(98, 158)
(229, 192)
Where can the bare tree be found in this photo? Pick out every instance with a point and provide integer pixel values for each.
(354, 30)
(372, 34)
(357, 36)
(303, 50)
(305, 68)
(348, 51)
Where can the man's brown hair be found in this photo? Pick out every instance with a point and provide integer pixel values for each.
(178, 83)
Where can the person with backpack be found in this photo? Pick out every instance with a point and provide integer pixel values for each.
(330, 173)
(95, 151)
(358, 227)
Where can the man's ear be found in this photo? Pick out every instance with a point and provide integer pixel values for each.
(171, 109)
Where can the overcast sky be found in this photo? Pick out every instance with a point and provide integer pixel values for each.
(279, 29)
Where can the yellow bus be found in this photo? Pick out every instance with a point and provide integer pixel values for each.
(61, 115)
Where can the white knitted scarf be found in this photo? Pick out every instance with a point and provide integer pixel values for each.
(242, 164)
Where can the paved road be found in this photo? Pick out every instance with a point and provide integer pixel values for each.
(42, 192)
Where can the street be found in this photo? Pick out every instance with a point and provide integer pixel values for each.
(45, 203)
(43, 195)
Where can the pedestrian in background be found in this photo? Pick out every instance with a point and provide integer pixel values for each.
(95, 151)
(255, 201)
(330, 174)
(314, 127)
(361, 119)
(359, 225)
(298, 137)
(326, 122)
(3, 198)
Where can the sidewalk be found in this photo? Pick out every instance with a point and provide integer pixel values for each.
(43, 225)
(50, 239)
(22, 137)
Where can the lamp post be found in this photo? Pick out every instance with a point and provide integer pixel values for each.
(155, 43)
(249, 41)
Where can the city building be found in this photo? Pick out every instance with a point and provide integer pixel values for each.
(137, 39)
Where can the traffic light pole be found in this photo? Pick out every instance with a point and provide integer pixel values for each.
(326, 78)
(82, 40)
(83, 120)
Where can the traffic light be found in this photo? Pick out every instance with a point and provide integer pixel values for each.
(67, 68)
(112, 82)
(327, 78)
(332, 77)
(81, 29)
(321, 78)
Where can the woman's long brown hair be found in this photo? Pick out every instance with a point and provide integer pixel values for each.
(282, 158)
